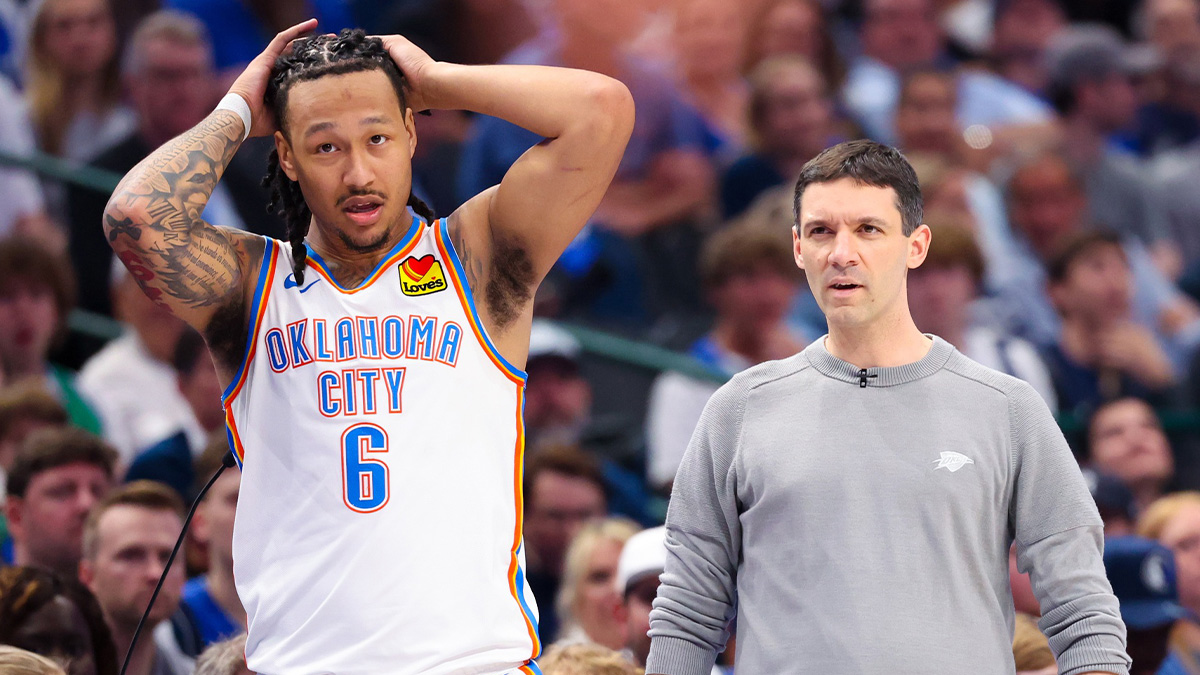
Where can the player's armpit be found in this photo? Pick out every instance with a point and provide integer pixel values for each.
(153, 223)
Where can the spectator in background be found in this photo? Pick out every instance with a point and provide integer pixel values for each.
(73, 85)
(242, 28)
(709, 40)
(227, 657)
(1021, 30)
(131, 380)
(558, 398)
(942, 297)
(587, 600)
(794, 28)
(1142, 574)
(1174, 521)
(23, 410)
(126, 543)
(1125, 439)
(56, 617)
(642, 561)
(1174, 171)
(1114, 501)
(564, 489)
(791, 120)
(1103, 353)
(1047, 207)
(1171, 26)
(900, 35)
(211, 602)
(168, 72)
(24, 207)
(584, 659)
(37, 291)
(1168, 118)
(1091, 85)
(171, 460)
(20, 662)
(635, 262)
(1031, 649)
(750, 278)
(56, 479)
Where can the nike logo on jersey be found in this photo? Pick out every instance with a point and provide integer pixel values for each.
(952, 461)
(421, 276)
(290, 282)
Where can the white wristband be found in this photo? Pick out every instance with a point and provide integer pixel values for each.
(236, 104)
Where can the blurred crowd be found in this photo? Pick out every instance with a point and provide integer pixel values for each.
(1058, 147)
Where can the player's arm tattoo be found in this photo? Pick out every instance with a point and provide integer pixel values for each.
(153, 218)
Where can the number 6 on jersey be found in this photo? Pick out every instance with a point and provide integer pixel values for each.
(364, 480)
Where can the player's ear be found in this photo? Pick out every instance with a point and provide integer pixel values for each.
(410, 124)
(287, 160)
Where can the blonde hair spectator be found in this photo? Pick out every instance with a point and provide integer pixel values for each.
(15, 661)
(227, 657)
(585, 659)
(1031, 649)
(588, 596)
(1162, 510)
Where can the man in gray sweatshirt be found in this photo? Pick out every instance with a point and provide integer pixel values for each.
(856, 502)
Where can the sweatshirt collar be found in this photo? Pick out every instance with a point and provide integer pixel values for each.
(831, 366)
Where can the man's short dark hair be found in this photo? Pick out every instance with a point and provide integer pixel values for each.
(27, 260)
(21, 403)
(47, 449)
(1078, 245)
(568, 460)
(867, 163)
(145, 494)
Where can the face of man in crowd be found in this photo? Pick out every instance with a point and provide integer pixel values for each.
(558, 399)
(1127, 441)
(349, 144)
(851, 244)
(1173, 27)
(755, 301)
(1110, 102)
(925, 119)
(202, 390)
(796, 113)
(173, 87)
(639, 600)
(708, 37)
(157, 328)
(610, 22)
(28, 319)
(59, 632)
(132, 547)
(557, 506)
(598, 598)
(1181, 534)
(901, 33)
(791, 27)
(47, 523)
(1045, 204)
(214, 520)
(940, 298)
(1097, 288)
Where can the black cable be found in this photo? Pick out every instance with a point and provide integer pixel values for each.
(226, 462)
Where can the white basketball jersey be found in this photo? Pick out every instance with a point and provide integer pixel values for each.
(378, 528)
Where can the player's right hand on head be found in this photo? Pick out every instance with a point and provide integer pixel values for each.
(252, 83)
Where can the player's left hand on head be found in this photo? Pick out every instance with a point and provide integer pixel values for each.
(414, 63)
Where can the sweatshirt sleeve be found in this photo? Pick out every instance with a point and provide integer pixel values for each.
(688, 625)
(1060, 543)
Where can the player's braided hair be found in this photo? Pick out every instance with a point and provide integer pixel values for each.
(310, 58)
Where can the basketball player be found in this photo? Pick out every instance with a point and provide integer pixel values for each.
(856, 502)
(373, 366)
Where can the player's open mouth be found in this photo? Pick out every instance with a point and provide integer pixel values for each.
(363, 210)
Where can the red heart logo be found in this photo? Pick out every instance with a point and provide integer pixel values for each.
(419, 266)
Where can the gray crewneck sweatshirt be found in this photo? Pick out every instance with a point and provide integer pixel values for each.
(865, 529)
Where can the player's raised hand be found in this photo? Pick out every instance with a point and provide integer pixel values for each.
(252, 83)
(414, 63)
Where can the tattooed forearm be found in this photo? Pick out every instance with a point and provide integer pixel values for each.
(155, 215)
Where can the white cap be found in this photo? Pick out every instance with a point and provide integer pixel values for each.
(547, 339)
(644, 554)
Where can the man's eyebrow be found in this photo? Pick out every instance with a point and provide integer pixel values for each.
(375, 119)
(318, 127)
